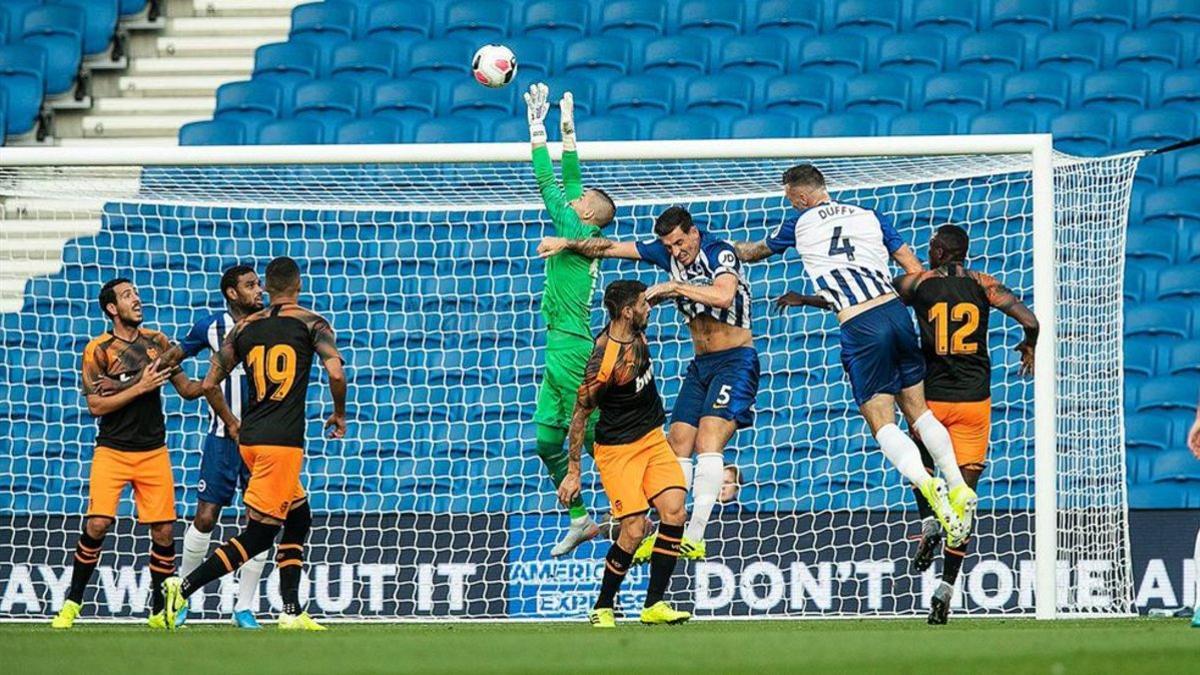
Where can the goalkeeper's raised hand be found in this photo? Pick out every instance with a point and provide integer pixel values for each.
(537, 104)
(567, 109)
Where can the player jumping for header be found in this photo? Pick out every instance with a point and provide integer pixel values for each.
(718, 392)
(637, 467)
(952, 303)
(845, 250)
(566, 301)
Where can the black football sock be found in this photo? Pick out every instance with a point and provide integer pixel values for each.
(162, 565)
(87, 555)
(662, 561)
(289, 557)
(952, 560)
(923, 506)
(616, 565)
(256, 538)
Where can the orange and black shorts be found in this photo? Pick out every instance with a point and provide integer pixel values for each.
(150, 474)
(969, 424)
(635, 473)
(274, 478)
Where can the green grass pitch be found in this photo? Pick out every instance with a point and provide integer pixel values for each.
(895, 646)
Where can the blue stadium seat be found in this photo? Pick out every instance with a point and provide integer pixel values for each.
(1003, 122)
(1089, 133)
(515, 130)
(1168, 394)
(558, 21)
(21, 75)
(59, 31)
(794, 20)
(764, 125)
(366, 63)
(372, 130)
(1184, 358)
(325, 25)
(928, 123)
(1121, 92)
(131, 7)
(608, 128)
(291, 132)
(1181, 282)
(1156, 319)
(1161, 495)
(802, 97)
(1140, 356)
(330, 102)
(682, 127)
(212, 132)
(478, 21)
(586, 96)
(758, 57)
(1149, 51)
(4, 21)
(916, 55)
(449, 129)
(1108, 18)
(252, 104)
(638, 21)
(963, 95)
(1029, 18)
(642, 98)
(871, 19)
(488, 106)
(15, 12)
(1076, 53)
(1157, 128)
(1151, 243)
(287, 64)
(599, 59)
(677, 58)
(400, 22)
(1178, 16)
(1177, 466)
(1146, 436)
(1041, 93)
(711, 20)
(444, 61)
(881, 95)
(536, 56)
(1181, 89)
(837, 56)
(723, 97)
(844, 124)
(99, 25)
(407, 101)
(996, 54)
(952, 19)
(1186, 169)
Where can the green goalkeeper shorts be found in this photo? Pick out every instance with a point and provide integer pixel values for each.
(566, 359)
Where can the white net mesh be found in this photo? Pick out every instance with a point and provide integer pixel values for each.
(436, 503)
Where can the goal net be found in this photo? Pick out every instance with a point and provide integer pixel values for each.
(436, 505)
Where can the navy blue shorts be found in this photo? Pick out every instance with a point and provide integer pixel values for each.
(880, 352)
(222, 471)
(721, 384)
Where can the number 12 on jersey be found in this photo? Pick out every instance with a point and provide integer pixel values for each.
(941, 314)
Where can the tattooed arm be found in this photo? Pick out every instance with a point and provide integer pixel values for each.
(595, 380)
(748, 251)
(592, 247)
(1003, 299)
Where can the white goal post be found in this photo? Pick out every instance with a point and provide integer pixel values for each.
(445, 461)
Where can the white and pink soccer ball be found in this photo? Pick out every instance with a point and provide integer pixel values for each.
(494, 65)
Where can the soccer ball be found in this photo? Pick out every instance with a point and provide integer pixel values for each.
(494, 65)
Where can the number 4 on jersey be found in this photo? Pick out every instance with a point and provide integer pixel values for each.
(839, 244)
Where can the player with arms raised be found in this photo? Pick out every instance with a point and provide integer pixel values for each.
(845, 250)
(718, 392)
(122, 378)
(567, 299)
(952, 303)
(637, 467)
(276, 346)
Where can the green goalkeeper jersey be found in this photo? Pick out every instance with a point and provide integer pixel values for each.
(570, 277)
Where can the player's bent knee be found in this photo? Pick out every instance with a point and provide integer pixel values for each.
(96, 527)
(163, 534)
(633, 528)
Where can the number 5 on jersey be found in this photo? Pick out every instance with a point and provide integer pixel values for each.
(277, 365)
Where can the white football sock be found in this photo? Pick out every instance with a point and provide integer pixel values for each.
(706, 487)
(685, 463)
(903, 453)
(248, 577)
(195, 549)
(941, 449)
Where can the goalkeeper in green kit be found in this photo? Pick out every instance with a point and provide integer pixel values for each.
(566, 301)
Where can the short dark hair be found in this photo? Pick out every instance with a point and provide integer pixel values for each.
(676, 216)
(283, 274)
(954, 240)
(805, 175)
(230, 278)
(108, 294)
(620, 294)
(609, 200)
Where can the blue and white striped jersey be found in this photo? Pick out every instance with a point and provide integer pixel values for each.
(845, 250)
(209, 333)
(716, 257)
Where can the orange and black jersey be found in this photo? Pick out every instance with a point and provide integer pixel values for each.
(620, 381)
(276, 345)
(951, 304)
(139, 426)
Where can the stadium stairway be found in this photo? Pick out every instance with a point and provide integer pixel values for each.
(173, 73)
